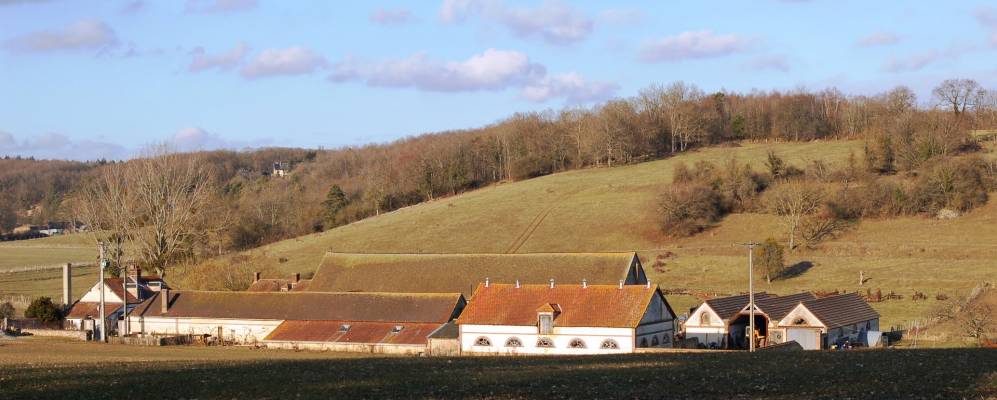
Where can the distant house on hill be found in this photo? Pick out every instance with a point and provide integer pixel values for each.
(294, 284)
(723, 322)
(447, 273)
(280, 169)
(366, 322)
(565, 319)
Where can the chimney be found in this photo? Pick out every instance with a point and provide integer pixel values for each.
(134, 272)
(164, 295)
(621, 284)
(585, 283)
(296, 278)
(551, 283)
(256, 276)
(648, 284)
(486, 281)
(67, 284)
(517, 283)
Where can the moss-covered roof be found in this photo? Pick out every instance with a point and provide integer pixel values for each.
(448, 273)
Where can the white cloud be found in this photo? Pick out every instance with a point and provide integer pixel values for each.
(622, 16)
(58, 146)
(390, 17)
(197, 139)
(289, 61)
(219, 6)
(918, 61)
(200, 60)
(552, 21)
(987, 17)
(692, 45)
(491, 70)
(573, 87)
(770, 61)
(87, 34)
(878, 39)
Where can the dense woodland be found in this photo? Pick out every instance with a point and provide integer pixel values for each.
(904, 135)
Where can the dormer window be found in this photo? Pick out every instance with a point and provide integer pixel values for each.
(546, 323)
(396, 329)
(344, 328)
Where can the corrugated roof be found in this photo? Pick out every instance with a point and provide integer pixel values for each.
(776, 307)
(428, 273)
(388, 307)
(730, 306)
(841, 310)
(81, 310)
(593, 306)
(358, 332)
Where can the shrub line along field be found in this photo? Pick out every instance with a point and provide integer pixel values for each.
(48, 368)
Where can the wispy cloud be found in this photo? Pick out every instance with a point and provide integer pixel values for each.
(87, 34)
(197, 139)
(692, 45)
(219, 6)
(133, 7)
(288, 61)
(385, 16)
(552, 21)
(877, 39)
(622, 16)
(918, 61)
(776, 62)
(987, 16)
(59, 146)
(201, 61)
(492, 70)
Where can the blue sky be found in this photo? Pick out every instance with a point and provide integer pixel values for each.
(102, 79)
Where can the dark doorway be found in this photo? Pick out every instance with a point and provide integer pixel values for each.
(737, 337)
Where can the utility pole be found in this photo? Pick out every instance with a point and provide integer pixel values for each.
(101, 266)
(751, 294)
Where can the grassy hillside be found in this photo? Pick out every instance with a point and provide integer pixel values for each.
(40, 368)
(48, 251)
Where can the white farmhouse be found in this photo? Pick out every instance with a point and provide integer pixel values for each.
(87, 308)
(565, 319)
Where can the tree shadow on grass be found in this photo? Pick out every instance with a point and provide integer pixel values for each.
(795, 270)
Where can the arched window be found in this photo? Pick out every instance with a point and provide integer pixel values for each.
(514, 342)
(654, 340)
(545, 342)
(482, 341)
(643, 342)
(577, 343)
(704, 318)
(609, 344)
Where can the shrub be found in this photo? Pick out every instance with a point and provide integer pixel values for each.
(687, 209)
(957, 184)
(6, 310)
(44, 310)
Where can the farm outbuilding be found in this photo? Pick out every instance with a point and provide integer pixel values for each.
(450, 273)
(515, 319)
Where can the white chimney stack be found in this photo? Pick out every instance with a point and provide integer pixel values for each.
(585, 283)
(486, 281)
(621, 284)
(165, 297)
(517, 283)
(648, 284)
(551, 283)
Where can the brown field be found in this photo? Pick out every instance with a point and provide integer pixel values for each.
(46, 368)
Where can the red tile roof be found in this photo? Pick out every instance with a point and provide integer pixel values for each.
(388, 307)
(81, 310)
(593, 306)
(278, 285)
(358, 332)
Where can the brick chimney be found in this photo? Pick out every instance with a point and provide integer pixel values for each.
(164, 295)
(67, 284)
(134, 272)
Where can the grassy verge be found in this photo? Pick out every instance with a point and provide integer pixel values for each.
(132, 372)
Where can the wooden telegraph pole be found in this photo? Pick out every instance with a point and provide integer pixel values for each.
(751, 294)
(101, 266)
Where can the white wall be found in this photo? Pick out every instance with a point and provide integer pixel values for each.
(239, 331)
(562, 337)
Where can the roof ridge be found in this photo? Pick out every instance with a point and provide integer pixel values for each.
(292, 293)
(484, 254)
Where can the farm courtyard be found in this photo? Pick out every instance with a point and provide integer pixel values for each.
(50, 368)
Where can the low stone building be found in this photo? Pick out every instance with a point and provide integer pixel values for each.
(565, 319)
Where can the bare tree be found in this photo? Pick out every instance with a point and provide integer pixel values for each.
(958, 95)
(976, 320)
(104, 204)
(793, 201)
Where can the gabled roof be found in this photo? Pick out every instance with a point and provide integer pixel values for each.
(384, 307)
(727, 307)
(592, 306)
(82, 310)
(776, 307)
(841, 310)
(434, 273)
(358, 332)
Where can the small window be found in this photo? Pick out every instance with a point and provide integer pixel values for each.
(704, 318)
(609, 344)
(577, 344)
(799, 321)
(396, 329)
(546, 324)
(344, 328)
(545, 342)
(514, 342)
(654, 341)
(643, 342)
(482, 341)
